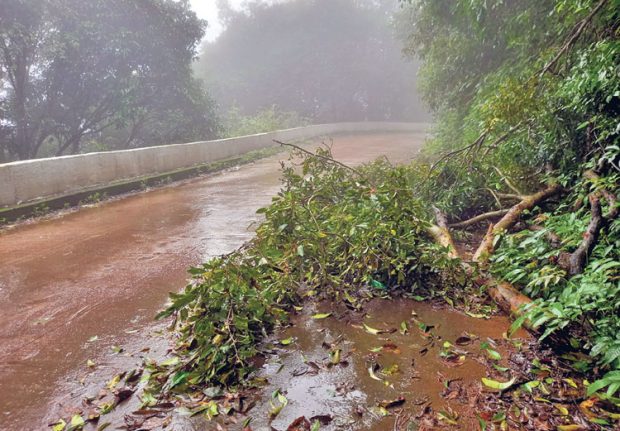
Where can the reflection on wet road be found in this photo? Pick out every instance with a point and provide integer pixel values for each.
(407, 364)
(73, 286)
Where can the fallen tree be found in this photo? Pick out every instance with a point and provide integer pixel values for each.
(527, 202)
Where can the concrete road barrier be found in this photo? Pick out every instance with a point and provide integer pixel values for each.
(39, 179)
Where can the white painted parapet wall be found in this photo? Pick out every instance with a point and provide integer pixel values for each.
(32, 180)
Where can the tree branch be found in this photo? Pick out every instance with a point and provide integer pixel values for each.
(612, 200)
(528, 202)
(478, 143)
(509, 183)
(327, 159)
(578, 258)
(441, 233)
(478, 219)
(453, 153)
(576, 261)
(509, 196)
(574, 35)
(505, 295)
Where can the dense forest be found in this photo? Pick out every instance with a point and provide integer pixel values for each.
(84, 76)
(324, 60)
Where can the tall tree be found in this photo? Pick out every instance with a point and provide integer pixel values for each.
(76, 69)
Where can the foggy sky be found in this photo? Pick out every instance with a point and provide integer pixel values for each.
(207, 9)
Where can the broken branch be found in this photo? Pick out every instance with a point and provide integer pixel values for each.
(507, 297)
(441, 233)
(509, 183)
(576, 261)
(611, 199)
(327, 159)
(478, 219)
(528, 202)
(509, 196)
(451, 154)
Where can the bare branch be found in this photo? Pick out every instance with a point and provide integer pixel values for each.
(574, 35)
(499, 203)
(611, 199)
(477, 144)
(451, 154)
(487, 247)
(509, 196)
(441, 233)
(327, 159)
(493, 145)
(578, 258)
(509, 183)
(478, 219)
(576, 261)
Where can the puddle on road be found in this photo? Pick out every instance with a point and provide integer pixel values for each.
(349, 393)
(410, 366)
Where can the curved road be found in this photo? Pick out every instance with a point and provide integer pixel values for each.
(73, 286)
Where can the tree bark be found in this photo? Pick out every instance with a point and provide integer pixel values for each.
(578, 258)
(507, 297)
(441, 234)
(478, 219)
(528, 202)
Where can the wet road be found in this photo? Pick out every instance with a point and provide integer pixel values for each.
(410, 367)
(101, 273)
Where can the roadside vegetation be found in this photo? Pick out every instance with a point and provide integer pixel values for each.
(81, 76)
(235, 123)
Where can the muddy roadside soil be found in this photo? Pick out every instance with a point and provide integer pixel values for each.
(75, 288)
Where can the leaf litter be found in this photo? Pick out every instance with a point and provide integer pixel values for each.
(454, 371)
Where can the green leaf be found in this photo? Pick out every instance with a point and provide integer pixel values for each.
(404, 329)
(608, 379)
(447, 417)
(370, 330)
(113, 382)
(77, 423)
(287, 341)
(334, 356)
(501, 386)
(277, 408)
(179, 378)
(492, 354)
(377, 284)
(170, 362)
(500, 369)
